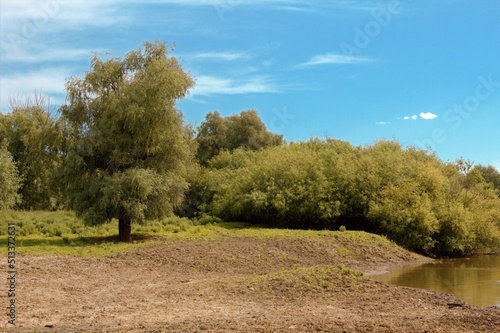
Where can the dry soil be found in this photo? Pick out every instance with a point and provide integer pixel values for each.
(235, 284)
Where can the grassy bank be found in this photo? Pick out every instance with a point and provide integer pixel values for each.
(62, 233)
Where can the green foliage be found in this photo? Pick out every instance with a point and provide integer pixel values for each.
(290, 186)
(143, 193)
(491, 175)
(205, 219)
(407, 194)
(245, 131)
(9, 178)
(29, 223)
(198, 195)
(211, 136)
(62, 232)
(128, 152)
(33, 139)
(405, 212)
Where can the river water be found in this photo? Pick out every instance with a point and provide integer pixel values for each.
(474, 280)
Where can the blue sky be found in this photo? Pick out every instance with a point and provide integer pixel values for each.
(426, 73)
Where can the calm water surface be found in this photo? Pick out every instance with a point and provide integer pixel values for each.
(475, 280)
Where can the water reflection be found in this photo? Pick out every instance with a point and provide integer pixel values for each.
(475, 280)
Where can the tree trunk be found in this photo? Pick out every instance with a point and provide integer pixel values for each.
(124, 228)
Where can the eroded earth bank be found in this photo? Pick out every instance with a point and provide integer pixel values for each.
(237, 284)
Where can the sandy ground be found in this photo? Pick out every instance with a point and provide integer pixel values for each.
(234, 285)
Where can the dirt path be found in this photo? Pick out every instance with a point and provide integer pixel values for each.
(235, 285)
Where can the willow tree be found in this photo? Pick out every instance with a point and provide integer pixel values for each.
(33, 140)
(127, 149)
(245, 130)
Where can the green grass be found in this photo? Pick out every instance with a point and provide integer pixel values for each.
(62, 233)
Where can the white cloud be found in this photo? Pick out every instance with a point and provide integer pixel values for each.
(38, 11)
(221, 56)
(50, 82)
(38, 54)
(334, 58)
(427, 115)
(383, 123)
(31, 31)
(423, 115)
(209, 85)
(27, 19)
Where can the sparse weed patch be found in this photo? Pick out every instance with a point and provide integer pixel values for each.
(294, 283)
(344, 252)
(344, 271)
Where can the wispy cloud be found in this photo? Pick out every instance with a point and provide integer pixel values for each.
(280, 4)
(414, 117)
(210, 85)
(39, 34)
(335, 59)
(383, 123)
(50, 81)
(221, 56)
(29, 18)
(31, 31)
(428, 115)
(41, 53)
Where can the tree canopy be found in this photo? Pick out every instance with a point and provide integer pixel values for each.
(127, 147)
(491, 175)
(245, 130)
(32, 137)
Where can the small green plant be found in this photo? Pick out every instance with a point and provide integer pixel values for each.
(205, 219)
(344, 271)
(342, 228)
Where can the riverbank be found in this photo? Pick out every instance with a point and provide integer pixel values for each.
(238, 281)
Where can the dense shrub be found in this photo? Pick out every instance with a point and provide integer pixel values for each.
(407, 194)
(287, 186)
